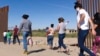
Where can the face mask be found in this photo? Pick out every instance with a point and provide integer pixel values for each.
(77, 9)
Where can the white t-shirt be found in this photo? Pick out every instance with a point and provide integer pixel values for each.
(85, 24)
(51, 31)
(62, 28)
(4, 34)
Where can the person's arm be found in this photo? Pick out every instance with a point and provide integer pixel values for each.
(92, 27)
(82, 16)
(58, 28)
(95, 26)
(30, 29)
(20, 28)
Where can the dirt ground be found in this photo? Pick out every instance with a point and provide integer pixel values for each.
(39, 48)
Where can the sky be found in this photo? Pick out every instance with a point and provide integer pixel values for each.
(41, 13)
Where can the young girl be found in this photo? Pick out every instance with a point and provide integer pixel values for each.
(50, 36)
(9, 34)
(5, 37)
(96, 43)
(47, 32)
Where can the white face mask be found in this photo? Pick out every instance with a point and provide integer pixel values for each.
(77, 9)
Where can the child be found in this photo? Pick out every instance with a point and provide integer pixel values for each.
(47, 32)
(96, 43)
(50, 36)
(5, 37)
(9, 34)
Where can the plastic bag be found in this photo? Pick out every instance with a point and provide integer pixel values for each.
(30, 41)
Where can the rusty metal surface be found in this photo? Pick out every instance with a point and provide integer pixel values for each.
(3, 20)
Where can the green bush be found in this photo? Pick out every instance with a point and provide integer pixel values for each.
(41, 33)
(71, 35)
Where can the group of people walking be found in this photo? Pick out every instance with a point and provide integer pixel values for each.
(7, 36)
(84, 22)
(25, 27)
(61, 29)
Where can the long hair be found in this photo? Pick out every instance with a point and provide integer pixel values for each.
(97, 18)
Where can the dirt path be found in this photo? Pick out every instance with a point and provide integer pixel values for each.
(39, 48)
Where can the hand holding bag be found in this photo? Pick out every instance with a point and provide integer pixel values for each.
(30, 41)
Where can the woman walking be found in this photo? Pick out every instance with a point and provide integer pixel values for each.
(83, 20)
(61, 28)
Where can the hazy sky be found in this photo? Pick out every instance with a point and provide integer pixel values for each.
(42, 12)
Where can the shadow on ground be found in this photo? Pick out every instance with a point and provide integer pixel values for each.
(55, 48)
(74, 45)
(36, 51)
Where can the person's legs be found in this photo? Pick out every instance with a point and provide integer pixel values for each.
(14, 39)
(5, 39)
(18, 39)
(50, 41)
(25, 35)
(81, 38)
(9, 40)
(79, 43)
(47, 40)
(61, 43)
(59, 40)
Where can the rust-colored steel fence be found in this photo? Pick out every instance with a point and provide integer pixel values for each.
(92, 6)
(3, 21)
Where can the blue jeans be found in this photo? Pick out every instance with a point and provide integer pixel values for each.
(9, 40)
(61, 43)
(81, 39)
(50, 40)
(25, 35)
(5, 39)
(15, 37)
